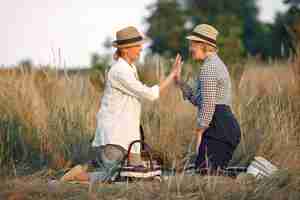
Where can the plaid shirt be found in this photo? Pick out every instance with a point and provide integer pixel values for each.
(213, 87)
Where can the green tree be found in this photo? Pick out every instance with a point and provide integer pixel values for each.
(170, 21)
(225, 16)
(241, 33)
(26, 65)
(101, 62)
(100, 65)
(166, 24)
(284, 31)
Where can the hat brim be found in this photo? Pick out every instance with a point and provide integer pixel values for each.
(197, 39)
(112, 153)
(143, 41)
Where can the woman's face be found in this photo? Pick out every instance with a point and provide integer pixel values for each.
(133, 53)
(196, 49)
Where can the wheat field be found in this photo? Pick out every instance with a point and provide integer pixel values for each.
(48, 119)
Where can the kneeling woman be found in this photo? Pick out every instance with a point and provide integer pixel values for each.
(118, 120)
(218, 132)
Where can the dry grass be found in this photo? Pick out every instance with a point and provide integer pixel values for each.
(48, 118)
(282, 185)
(273, 79)
(47, 114)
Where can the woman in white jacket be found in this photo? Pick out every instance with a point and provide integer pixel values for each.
(118, 119)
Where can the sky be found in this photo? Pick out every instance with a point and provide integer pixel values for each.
(66, 32)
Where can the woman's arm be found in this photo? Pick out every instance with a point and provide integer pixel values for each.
(199, 136)
(126, 82)
(208, 87)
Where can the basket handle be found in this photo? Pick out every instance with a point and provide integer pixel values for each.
(147, 149)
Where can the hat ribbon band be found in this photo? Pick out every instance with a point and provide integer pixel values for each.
(204, 37)
(131, 40)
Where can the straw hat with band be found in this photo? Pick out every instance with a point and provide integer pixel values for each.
(128, 37)
(204, 33)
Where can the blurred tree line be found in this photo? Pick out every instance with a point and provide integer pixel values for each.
(241, 33)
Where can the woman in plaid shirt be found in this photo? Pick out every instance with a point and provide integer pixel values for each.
(218, 132)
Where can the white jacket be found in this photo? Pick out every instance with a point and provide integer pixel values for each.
(118, 119)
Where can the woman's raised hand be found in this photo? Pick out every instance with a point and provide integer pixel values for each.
(175, 73)
(176, 69)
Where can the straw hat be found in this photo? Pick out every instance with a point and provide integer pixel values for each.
(128, 37)
(204, 33)
(112, 154)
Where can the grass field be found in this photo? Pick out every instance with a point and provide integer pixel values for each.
(48, 118)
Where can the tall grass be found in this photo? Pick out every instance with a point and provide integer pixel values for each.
(47, 119)
(47, 115)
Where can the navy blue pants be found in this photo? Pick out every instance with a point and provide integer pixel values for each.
(219, 140)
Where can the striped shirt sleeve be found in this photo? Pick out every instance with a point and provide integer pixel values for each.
(208, 87)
